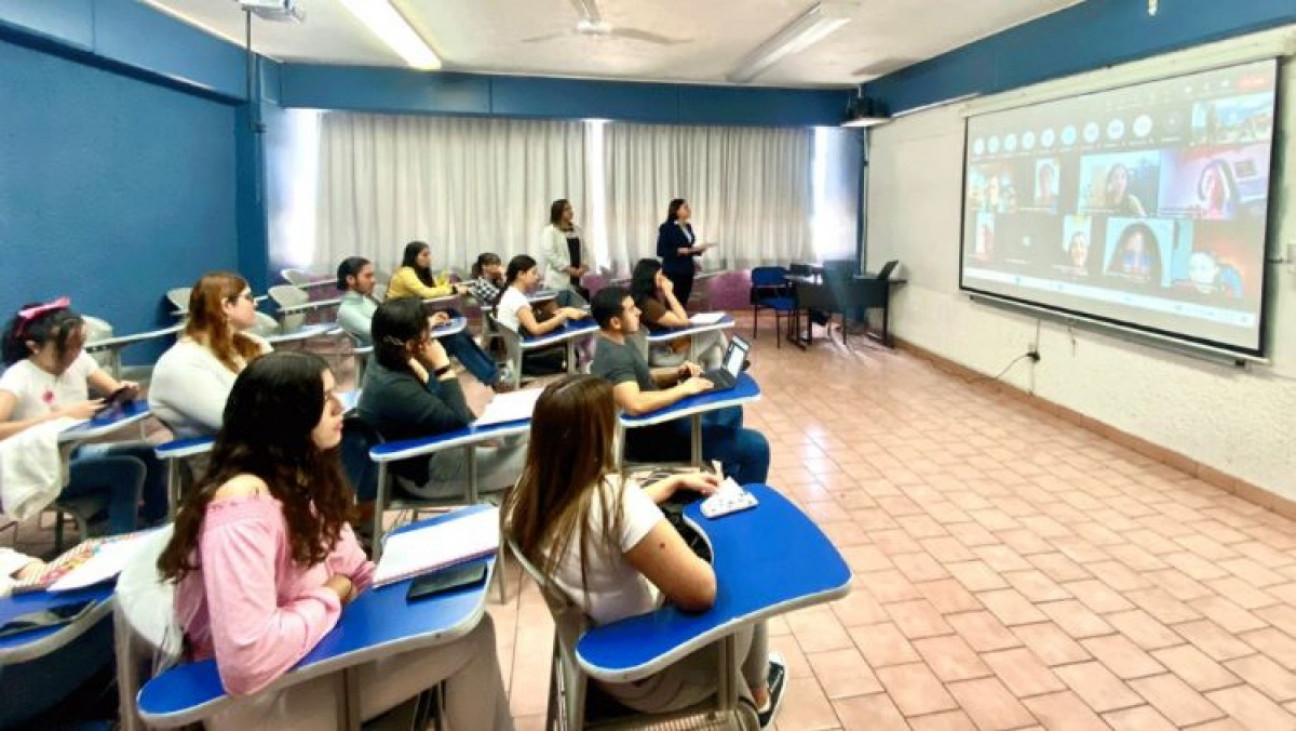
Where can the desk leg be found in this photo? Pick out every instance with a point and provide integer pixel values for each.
(695, 440)
(620, 445)
(470, 454)
(349, 699)
(571, 357)
(380, 501)
(173, 487)
(693, 352)
(116, 364)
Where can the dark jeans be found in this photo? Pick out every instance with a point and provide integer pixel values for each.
(744, 453)
(464, 349)
(116, 480)
(462, 346)
(153, 487)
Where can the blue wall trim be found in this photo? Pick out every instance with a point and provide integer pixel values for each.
(132, 38)
(1084, 37)
(400, 91)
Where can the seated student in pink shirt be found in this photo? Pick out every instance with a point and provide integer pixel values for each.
(265, 563)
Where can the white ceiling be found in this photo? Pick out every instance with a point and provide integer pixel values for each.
(487, 36)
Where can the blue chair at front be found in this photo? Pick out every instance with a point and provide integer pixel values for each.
(770, 290)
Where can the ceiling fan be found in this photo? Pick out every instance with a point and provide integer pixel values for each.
(592, 25)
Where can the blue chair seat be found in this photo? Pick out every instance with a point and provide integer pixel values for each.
(782, 304)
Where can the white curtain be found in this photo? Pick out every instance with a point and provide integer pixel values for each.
(463, 185)
(749, 189)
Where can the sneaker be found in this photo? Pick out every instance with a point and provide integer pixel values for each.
(777, 689)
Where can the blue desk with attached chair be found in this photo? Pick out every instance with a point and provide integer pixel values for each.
(379, 623)
(744, 391)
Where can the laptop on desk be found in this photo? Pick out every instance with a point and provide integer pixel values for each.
(726, 376)
(885, 274)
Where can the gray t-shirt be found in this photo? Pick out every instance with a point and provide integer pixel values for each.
(621, 363)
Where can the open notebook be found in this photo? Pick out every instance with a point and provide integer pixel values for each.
(86, 564)
(424, 550)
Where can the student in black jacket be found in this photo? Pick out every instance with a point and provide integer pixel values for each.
(676, 246)
(410, 391)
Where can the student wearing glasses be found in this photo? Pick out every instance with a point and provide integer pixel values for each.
(193, 378)
(409, 391)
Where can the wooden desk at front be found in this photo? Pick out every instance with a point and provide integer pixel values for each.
(838, 295)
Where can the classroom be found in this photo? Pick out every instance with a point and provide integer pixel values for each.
(388, 359)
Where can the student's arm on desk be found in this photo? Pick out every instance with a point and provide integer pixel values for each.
(663, 558)
(406, 279)
(526, 317)
(83, 410)
(634, 401)
(704, 483)
(255, 638)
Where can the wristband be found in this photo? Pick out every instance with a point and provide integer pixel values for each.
(441, 371)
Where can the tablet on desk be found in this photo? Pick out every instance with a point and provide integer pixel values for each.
(446, 580)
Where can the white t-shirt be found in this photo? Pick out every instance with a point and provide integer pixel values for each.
(506, 312)
(190, 387)
(38, 392)
(614, 589)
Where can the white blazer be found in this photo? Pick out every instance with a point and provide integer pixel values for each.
(556, 257)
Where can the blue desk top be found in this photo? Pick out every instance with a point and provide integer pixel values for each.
(450, 327)
(682, 332)
(13, 606)
(569, 330)
(126, 414)
(406, 448)
(768, 560)
(743, 392)
(379, 623)
(187, 447)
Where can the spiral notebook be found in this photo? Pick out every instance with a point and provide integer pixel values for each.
(423, 550)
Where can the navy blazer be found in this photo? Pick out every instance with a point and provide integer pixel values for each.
(670, 239)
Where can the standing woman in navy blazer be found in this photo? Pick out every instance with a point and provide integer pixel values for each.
(676, 246)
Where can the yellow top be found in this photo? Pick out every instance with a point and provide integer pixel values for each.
(405, 283)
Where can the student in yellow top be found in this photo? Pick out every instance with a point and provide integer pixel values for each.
(415, 279)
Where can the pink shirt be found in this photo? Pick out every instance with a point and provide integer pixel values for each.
(249, 604)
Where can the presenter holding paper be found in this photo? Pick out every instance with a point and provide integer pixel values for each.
(676, 246)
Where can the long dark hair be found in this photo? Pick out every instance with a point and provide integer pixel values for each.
(40, 324)
(410, 259)
(643, 281)
(517, 265)
(274, 406)
(569, 455)
(395, 323)
(672, 211)
(484, 260)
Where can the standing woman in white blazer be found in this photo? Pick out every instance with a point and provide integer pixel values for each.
(566, 256)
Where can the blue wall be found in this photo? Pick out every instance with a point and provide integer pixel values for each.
(1087, 36)
(390, 90)
(111, 190)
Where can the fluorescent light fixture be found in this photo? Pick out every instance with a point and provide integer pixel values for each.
(865, 121)
(391, 28)
(808, 29)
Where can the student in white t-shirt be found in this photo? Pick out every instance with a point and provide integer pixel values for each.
(192, 380)
(48, 376)
(606, 545)
(515, 312)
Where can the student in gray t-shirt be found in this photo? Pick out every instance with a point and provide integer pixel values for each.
(638, 389)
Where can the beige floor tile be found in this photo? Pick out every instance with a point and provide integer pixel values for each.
(1097, 686)
(867, 713)
(1064, 711)
(1122, 657)
(990, 705)
(1251, 709)
(1265, 675)
(1022, 672)
(843, 673)
(1142, 718)
(1192, 665)
(915, 689)
(983, 631)
(1050, 644)
(1175, 700)
(883, 644)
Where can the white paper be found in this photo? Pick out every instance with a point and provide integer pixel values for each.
(707, 318)
(509, 406)
(108, 560)
(427, 549)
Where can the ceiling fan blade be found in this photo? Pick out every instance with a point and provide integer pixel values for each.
(547, 37)
(588, 10)
(643, 35)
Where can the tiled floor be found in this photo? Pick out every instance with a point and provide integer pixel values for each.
(1011, 570)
